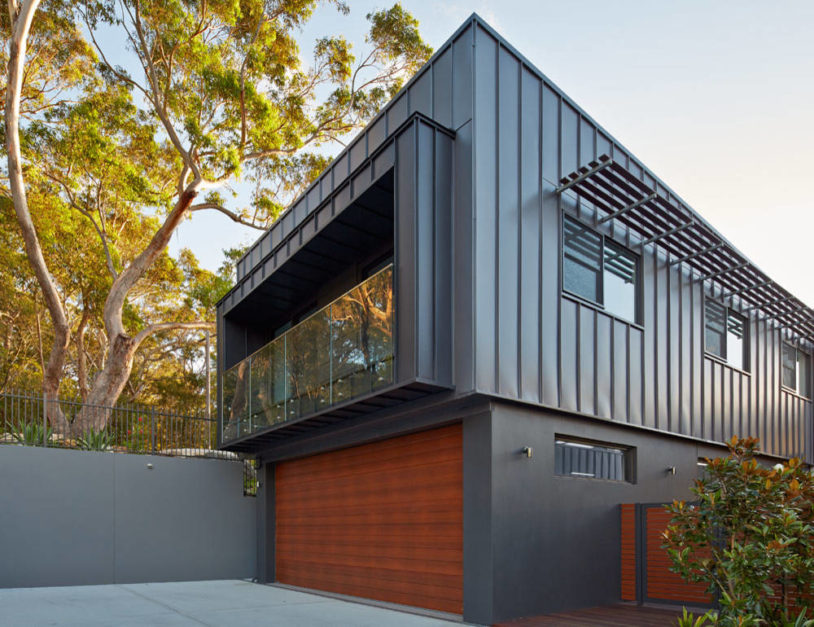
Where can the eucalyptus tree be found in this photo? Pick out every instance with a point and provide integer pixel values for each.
(225, 96)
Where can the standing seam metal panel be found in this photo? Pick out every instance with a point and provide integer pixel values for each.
(655, 374)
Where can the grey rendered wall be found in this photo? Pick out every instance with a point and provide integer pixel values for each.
(555, 540)
(532, 344)
(81, 518)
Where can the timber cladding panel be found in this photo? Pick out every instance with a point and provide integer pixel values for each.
(628, 553)
(382, 521)
(662, 584)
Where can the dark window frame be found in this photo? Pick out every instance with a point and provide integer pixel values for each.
(628, 457)
(806, 392)
(600, 303)
(746, 357)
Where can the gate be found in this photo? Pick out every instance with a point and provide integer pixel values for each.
(645, 566)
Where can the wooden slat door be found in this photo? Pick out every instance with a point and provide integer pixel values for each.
(661, 584)
(382, 521)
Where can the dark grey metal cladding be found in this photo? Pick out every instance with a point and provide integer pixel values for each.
(370, 177)
(414, 169)
(534, 344)
(423, 254)
(441, 91)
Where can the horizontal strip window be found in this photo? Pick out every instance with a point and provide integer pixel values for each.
(726, 335)
(796, 370)
(598, 270)
(573, 458)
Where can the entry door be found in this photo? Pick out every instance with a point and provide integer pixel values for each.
(382, 521)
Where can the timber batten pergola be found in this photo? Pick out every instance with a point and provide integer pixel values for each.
(613, 189)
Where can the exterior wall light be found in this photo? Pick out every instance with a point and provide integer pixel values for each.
(527, 451)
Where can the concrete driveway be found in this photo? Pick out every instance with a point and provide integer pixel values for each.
(228, 603)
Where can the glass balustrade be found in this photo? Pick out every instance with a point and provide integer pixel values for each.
(341, 352)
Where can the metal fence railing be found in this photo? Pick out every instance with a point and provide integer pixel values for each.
(127, 428)
(124, 428)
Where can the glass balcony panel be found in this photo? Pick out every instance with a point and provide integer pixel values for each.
(379, 293)
(267, 400)
(235, 397)
(362, 322)
(341, 352)
(277, 381)
(308, 364)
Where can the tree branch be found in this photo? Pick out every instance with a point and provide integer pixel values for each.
(169, 326)
(235, 217)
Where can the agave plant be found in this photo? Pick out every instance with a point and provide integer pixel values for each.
(31, 434)
(94, 440)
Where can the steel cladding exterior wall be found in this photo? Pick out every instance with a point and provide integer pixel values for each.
(535, 344)
(534, 542)
(514, 335)
(423, 241)
(85, 518)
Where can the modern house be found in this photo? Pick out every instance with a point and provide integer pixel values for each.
(479, 338)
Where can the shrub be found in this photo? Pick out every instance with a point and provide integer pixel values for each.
(749, 536)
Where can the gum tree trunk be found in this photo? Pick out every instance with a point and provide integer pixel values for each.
(21, 15)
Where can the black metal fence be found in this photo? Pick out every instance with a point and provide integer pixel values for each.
(127, 428)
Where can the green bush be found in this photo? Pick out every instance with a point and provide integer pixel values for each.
(750, 537)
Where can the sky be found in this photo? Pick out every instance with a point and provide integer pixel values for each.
(716, 98)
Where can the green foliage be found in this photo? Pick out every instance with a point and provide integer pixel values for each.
(31, 433)
(749, 536)
(236, 97)
(219, 105)
(250, 479)
(688, 619)
(94, 440)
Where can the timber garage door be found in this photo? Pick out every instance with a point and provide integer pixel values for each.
(382, 521)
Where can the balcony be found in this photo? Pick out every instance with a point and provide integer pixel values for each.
(341, 352)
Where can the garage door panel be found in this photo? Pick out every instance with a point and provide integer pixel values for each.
(368, 503)
(371, 550)
(418, 445)
(378, 518)
(404, 460)
(419, 567)
(381, 520)
(388, 580)
(407, 543)
(424, 479)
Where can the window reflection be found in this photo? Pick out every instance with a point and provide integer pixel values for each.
(363, 338)
(343, 351)
(235, 405)
(308, 365)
